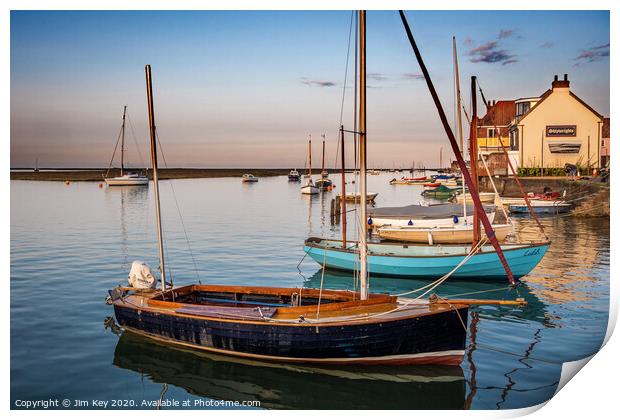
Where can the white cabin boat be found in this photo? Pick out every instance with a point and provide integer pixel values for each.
(249, 178)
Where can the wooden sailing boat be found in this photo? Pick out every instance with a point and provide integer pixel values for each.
(126, 178)
(309, 188)
(291, 325)
(476, 261)
(324, 183)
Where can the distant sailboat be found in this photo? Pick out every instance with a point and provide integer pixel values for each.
(324, 183)
(309, 188)
(126, 178)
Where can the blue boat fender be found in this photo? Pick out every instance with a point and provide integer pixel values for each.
(410, 222)
(370, 221)
(455, 219)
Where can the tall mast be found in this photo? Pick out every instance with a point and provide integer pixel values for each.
(459, 120)
(343, 198)
(355, 72)
(362, 146)
(123, 142)
(488, 229)
(323, 157)
(160, 238)
(310, 155)
(473, 156)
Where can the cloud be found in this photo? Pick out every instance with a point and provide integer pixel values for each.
(317, 83)
(592, 54)
(413, 76)
(468, 41)
(491, 53)
(505, 33)
(547, 44)
(376, 76)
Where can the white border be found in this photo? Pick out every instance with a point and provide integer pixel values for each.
(591, 395)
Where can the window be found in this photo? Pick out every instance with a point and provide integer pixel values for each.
(514, 140)
(522, 108)
(491, 133)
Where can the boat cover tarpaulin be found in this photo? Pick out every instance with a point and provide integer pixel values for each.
(416, 211)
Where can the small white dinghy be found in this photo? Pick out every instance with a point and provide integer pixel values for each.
(309, 188)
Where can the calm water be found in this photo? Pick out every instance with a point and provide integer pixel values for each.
(70, 244)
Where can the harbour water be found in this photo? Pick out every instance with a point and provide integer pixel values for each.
(71, 243)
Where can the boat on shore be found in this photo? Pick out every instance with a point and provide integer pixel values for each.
(249, 178)
(126, 178)
(457, 234)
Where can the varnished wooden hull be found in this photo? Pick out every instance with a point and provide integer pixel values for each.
(431, 336)
(442, 235)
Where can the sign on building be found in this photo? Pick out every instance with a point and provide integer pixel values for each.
(561, 130)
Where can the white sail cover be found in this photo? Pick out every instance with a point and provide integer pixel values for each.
(141, 276)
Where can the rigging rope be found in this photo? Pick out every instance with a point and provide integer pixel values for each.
(114, 153)
(135, 140)
(161, 151)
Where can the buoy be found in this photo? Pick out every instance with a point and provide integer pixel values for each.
(455, 219)
(100, 185)
(67, 182)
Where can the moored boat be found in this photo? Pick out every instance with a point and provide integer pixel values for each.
(428, 262)
(289, 325)
(425, 216)
(125, 178)
(294, 176)
(355, 197)
(309, 188)
(249, 178)
(324, 183)
(485, 197)
(541, 207)
(457, 234)
(441, 192)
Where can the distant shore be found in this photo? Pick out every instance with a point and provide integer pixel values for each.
(172, 173)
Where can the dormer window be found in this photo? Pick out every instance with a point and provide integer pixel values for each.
(522, 108)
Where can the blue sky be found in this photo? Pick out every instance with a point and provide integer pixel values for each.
(245, 89)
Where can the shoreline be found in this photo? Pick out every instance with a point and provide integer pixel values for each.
(96, 175)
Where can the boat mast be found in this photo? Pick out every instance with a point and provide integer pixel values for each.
(459, 121)
(160, 239)
(362, 147)
(310, 156)
(323, 157)
(343, 198)
(455, 148)
(355, 72)
(473, 156)
(123, 142)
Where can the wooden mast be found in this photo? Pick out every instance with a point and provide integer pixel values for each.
(473, 156)
(310, 156)
(343, 197)
(123, 142)
(455, 148)
(323, 157)
(459, 120)
(355, 72)
(362, 146)
(160, 238)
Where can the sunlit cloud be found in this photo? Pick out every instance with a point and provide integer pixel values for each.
(547, 44)
(413, 76)
(505, 33)
(593, 54)
(490, 52)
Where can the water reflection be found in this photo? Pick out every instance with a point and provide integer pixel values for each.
(292, 386)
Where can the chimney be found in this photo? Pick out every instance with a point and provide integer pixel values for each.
(560, 83)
